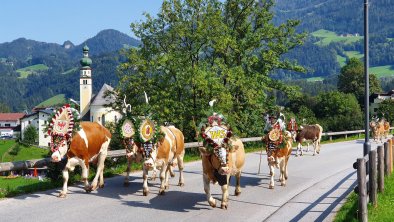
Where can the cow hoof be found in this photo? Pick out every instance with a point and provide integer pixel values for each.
(145, 192)
(283, 184)
(172, 174)
(271, 173)
(237, 193)
(224, 206)
(101, 186)
(62, 195)
(161, 192)
(88, 189)
(212, 203)
(271, 187)
(166, 187)
(181, 184)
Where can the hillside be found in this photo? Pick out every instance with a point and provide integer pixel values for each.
(337, 15)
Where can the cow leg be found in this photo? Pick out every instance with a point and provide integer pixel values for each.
(100, 169)
(145, 188)
(163, 178)
(307, 147)
(282, 172)
(272, 175)
(85, 173)
(63, 193)
(128, 169)
(180, 168)
(167, 176)
(224, 204)
(299, 147)
(238, 183)
(207, 189)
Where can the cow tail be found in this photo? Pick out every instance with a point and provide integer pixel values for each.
(320, 134)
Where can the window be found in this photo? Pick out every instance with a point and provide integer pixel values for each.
(85, 82)
(7, 124)
(29, 122)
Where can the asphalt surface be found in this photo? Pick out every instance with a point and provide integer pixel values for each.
(316, 188)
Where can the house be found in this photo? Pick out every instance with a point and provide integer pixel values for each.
(38, 119)
(376, 98)
(10, 124)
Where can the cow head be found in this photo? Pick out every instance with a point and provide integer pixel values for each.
(59, 147)
(149, 153)
(219, 160)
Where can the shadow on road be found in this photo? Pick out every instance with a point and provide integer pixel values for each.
(329, 209)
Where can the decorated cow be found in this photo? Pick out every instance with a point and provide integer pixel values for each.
(158, 147)
(222, 156)
(380, 128)
(80, 143)
(278, 144)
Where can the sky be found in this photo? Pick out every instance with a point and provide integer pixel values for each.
(55, 21)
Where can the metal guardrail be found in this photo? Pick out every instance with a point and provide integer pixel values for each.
(23, 165)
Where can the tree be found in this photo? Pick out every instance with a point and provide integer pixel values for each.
(196, 51)
(339, 111)
(4, 108)
(30, 135)
(387, 108)
(351, 80)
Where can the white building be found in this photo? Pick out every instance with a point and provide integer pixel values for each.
(39, 120)
(376, 98)
(10, 124)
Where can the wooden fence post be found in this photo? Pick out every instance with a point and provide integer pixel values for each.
(386, 159)
(372, 177)
(362, 190)
(380, 169)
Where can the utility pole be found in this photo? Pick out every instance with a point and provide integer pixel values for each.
(367, 144)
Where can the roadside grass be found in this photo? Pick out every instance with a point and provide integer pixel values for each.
(25, 72)
(10, 187)
(383, 211)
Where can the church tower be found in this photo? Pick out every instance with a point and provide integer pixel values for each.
(85, 82)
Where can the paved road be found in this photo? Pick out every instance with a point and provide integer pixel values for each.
(316, 188)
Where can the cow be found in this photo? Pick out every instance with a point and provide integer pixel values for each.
(216, 168)
(311, 133)
(164, 155)
(378, 129)
(279, 158)
(89, 144)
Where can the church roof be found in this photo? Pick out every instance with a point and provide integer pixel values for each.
(100, 99)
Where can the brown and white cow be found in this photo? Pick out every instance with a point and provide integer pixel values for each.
(89, 144)
(279, 158)
(168, 152)
(311, 133)
(215, 168)
(379, 129)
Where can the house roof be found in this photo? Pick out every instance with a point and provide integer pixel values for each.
(11, 116)
(100, 99)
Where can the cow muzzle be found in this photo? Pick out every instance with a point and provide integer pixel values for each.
(224, 170)
(56, 157)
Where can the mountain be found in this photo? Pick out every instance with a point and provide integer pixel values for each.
(61, 74)
(338, 15)
(108, 40)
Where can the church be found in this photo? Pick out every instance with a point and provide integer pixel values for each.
(92, 107)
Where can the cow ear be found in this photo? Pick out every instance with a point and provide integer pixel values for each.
(203, 150)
